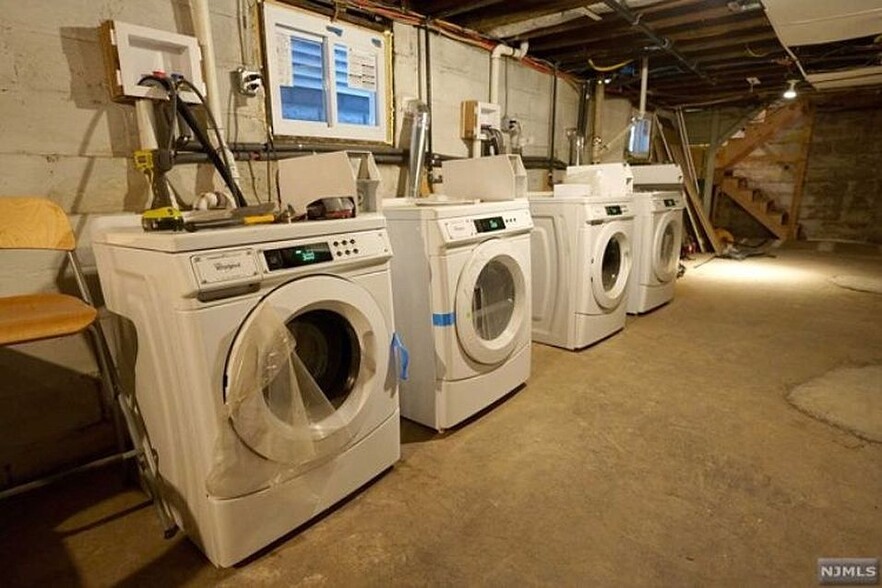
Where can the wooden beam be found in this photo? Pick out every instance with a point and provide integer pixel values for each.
(731, 30)
(800, 173)
(704, 230)
(518, 11)
(608, 29)
(703, 46)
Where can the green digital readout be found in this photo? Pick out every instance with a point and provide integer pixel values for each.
(304, 255)
(493, 223)
(297, 256)
(670, 202)
(613, 210)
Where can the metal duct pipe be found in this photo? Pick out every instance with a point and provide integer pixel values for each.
(597, 121)
(553, 119)
(663, 42)
(644, 83)
(419, 132)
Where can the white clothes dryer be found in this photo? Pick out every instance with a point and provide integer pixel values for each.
(264, 369)
(658, 234)
(581, 260)
(461, 286)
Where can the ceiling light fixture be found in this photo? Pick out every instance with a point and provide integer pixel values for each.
(790, 92)
(744, 5)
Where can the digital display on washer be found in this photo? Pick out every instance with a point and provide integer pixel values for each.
(670, 202)
(613, 210)
(297, 256)
(493, 223)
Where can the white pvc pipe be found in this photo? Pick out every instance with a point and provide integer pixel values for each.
(202, 26)
(495, 56)
(644, 83)
(146, 124)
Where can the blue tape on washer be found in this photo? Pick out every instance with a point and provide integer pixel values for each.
(443, 319)
(402, 357)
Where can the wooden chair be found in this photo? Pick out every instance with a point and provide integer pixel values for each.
(28, 223)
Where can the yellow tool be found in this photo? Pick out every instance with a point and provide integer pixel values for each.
(255, 219)
(166, 218)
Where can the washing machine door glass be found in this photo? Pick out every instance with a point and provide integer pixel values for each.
(666, 246)
(303, 368)
(328, 347)
(611, 266)
(490, 302)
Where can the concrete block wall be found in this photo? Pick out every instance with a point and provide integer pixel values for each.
(843, 190)
(842, 196)
(65, 139)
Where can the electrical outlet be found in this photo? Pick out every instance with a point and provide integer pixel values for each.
(248, 81)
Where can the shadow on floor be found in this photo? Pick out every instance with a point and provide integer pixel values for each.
(412, 432)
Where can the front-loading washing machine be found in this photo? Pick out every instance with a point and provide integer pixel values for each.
(581, 260)
(658, 233)
(461, 286)
(264, 371)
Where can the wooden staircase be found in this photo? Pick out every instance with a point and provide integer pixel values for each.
(758, 132)
(760, 206)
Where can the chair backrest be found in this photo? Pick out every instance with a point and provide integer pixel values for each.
(31, 222)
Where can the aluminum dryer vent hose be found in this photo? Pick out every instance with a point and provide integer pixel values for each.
(419, 132)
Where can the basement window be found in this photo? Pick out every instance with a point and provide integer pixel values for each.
(326, 79)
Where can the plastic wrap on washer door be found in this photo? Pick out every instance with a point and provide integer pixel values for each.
(278, 420)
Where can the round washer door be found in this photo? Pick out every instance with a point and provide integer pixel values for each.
(491, 302)
(303, 366)
(666, 246)
(611, 266)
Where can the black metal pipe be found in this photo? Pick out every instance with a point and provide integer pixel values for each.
(189, 157)
(539, 162)
(663, 42)
(582, 121)
(302, 148)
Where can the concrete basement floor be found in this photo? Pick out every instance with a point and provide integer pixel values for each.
(668, 455)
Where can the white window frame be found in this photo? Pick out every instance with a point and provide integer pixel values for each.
(311, 25)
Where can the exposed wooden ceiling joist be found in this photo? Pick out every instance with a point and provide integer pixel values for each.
(728, 41)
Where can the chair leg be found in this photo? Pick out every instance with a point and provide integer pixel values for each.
(146, 459)
(123, 404)
(109, 382)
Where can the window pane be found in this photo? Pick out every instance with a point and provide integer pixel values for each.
(305, 98)
(356, 85)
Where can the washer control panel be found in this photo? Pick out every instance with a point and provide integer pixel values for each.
(609, 211)
(223, 269)
(333, 249)
(466, 228)
(662, 201)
